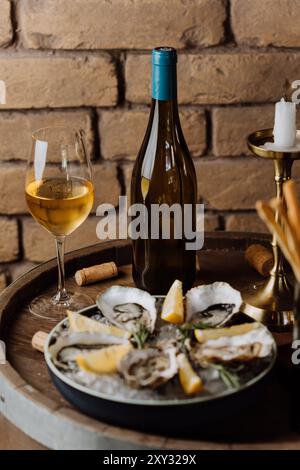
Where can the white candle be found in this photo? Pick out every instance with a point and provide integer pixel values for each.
(285, 124)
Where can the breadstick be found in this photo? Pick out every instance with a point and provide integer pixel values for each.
(290, 195)
(292, 242)
(267, 215)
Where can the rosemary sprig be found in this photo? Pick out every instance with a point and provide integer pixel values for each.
(187, 329)
(140, 336)
(228, 375)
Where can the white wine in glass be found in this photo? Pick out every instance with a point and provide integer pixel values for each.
(60, 195)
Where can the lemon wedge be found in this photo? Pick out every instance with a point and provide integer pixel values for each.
(190, 381)
(215, 333)
(172, 309)
(80, 323)
(104, 361)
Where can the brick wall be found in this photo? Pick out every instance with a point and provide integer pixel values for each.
(87, 63)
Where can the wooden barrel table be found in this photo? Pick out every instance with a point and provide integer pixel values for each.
(29, 400)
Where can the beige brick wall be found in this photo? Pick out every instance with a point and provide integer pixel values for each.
(88, 63)
(6, 30)
(230, 76)
(121, 24)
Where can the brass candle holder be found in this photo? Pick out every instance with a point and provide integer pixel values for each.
(271, 301)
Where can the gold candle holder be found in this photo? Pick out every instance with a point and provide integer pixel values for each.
(271, 301)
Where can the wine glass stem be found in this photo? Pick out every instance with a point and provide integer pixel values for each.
(61, 295)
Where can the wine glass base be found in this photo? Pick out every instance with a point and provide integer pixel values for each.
(44, 307)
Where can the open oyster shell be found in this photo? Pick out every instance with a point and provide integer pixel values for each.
(128, 307)
(212, 304)
(148, 367)
(68, 345)
(257, 343)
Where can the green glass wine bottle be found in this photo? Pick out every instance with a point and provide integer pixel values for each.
(164, 174)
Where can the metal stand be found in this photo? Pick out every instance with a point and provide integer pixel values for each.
(271, 302)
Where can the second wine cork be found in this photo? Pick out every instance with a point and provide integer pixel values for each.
(96, 273)
(260, 258)
(39, 340)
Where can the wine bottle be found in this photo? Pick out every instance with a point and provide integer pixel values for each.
(164, 173)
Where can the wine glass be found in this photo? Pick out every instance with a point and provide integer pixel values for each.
(60, 195)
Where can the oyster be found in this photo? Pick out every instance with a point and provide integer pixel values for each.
(212, 304)
(68, 354)
(128, 307)
(148, 367)
(167, 336)
(256, 343)
(68, 345)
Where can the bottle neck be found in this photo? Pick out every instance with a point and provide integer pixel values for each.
(164, 114)
(164, 82)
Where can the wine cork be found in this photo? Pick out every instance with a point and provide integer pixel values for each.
(39, 340)
(99, 272)
(260, 258)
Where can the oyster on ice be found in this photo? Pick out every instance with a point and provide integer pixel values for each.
(148, 367)
(128, 307)
(68, 345)
(212, 304)
(256, 343)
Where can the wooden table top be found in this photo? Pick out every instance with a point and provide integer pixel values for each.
(29, 396)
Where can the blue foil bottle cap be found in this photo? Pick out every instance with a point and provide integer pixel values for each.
(164, 82)
(164, 56)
